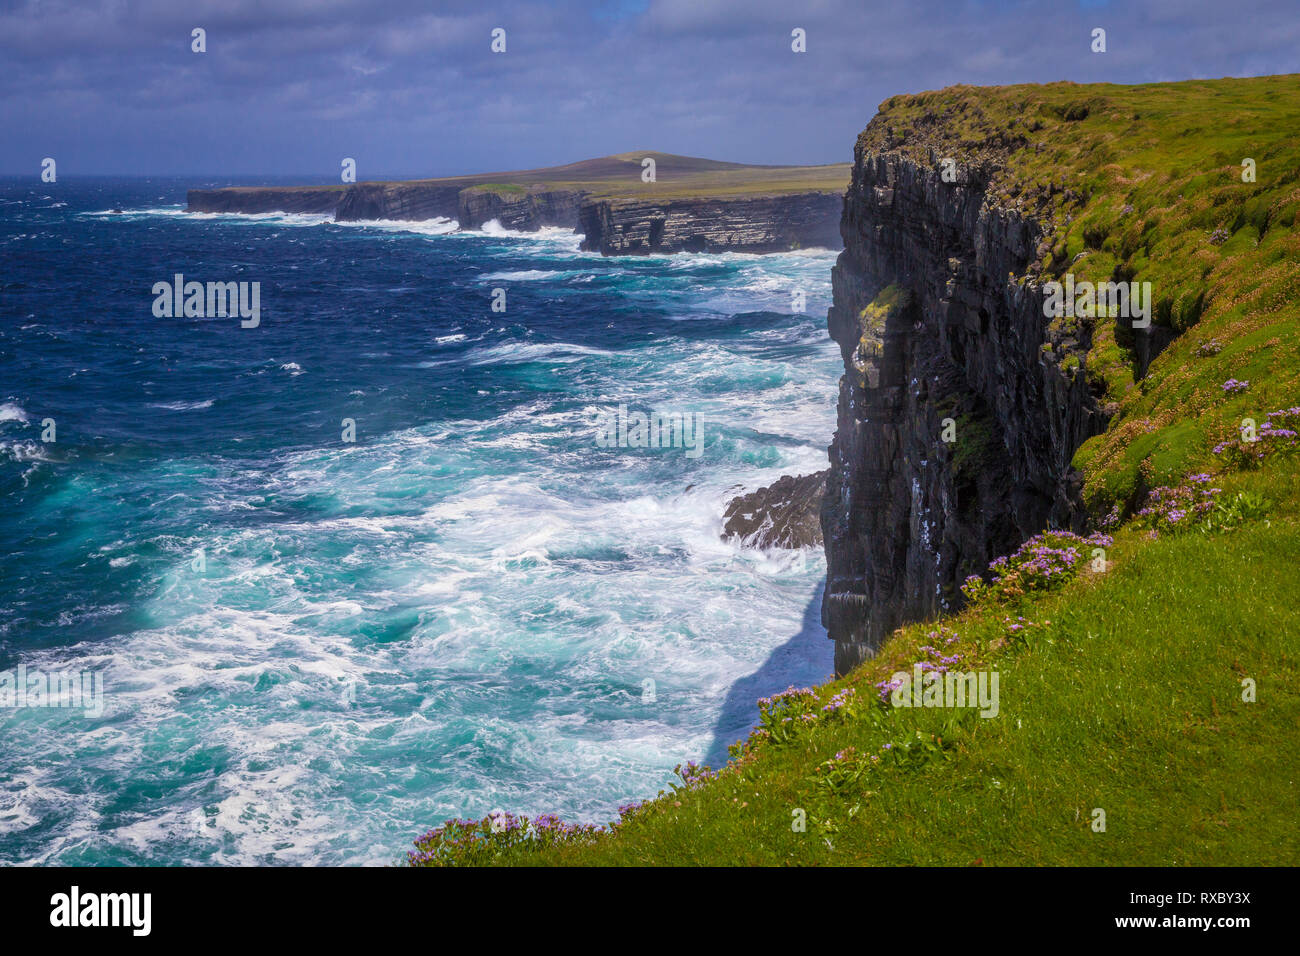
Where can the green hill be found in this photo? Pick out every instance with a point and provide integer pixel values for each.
(677, 176)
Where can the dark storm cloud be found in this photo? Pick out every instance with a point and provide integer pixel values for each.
(412, 87)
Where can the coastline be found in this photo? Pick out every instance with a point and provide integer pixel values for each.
(685, 205)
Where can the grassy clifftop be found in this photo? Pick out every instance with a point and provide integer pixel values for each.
(1145, 712)
(619, 177)
(677, 177)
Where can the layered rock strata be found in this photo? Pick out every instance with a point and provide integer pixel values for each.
(610, 226)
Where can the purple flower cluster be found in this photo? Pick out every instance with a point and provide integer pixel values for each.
(1111, 519)
(786, 697)
(935, 660)
(547, 826)
(1232, 386)
(1044, 561)
(1280, 433)
(781, 713)
(886, 687)
(1176, 508)
(1018, 630)
(839, 701)
(471, 842)
(693, 775)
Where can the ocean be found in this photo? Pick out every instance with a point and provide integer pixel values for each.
(312, 649)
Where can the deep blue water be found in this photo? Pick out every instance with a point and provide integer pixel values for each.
(457, 612)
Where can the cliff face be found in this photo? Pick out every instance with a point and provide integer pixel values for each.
(761, 224)
(397, 201)
(940, 342)
(696, 204)
(527, 210)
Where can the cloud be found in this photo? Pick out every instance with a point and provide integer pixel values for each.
(114, 87)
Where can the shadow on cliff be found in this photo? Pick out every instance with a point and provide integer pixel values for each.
(805, 658)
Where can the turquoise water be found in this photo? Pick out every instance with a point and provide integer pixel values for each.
(460, 611)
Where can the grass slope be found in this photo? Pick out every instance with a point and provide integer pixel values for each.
(619, 176)
(1123, 690)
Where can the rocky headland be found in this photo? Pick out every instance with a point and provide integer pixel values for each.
(691, 205)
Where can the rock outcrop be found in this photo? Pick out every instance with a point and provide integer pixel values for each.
(956, 427)
(526, 210)
(787, 514)
(759, 224)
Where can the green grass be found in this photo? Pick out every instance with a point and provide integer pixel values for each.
(677, 177)
(619, 177)
(1131, 699)
(509, 190)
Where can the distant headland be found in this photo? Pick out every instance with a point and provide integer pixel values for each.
(627, 204)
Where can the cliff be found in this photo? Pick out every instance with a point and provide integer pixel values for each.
(397, 201)
(525, 210)
(691, 205)
(1147, 661)
(934, 330)
(967, 420)
(763, 224)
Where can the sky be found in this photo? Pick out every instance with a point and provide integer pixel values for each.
(412, 87)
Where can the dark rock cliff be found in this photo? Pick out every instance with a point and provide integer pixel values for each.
(398, 201)
(525, 210)
(760, 224)
(938, 335)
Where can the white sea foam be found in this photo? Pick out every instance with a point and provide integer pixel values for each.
(559, 236)
(521, 275)
(531, 352)
(465, 613)
(437, 226)
(184, 406)
(11, 412)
